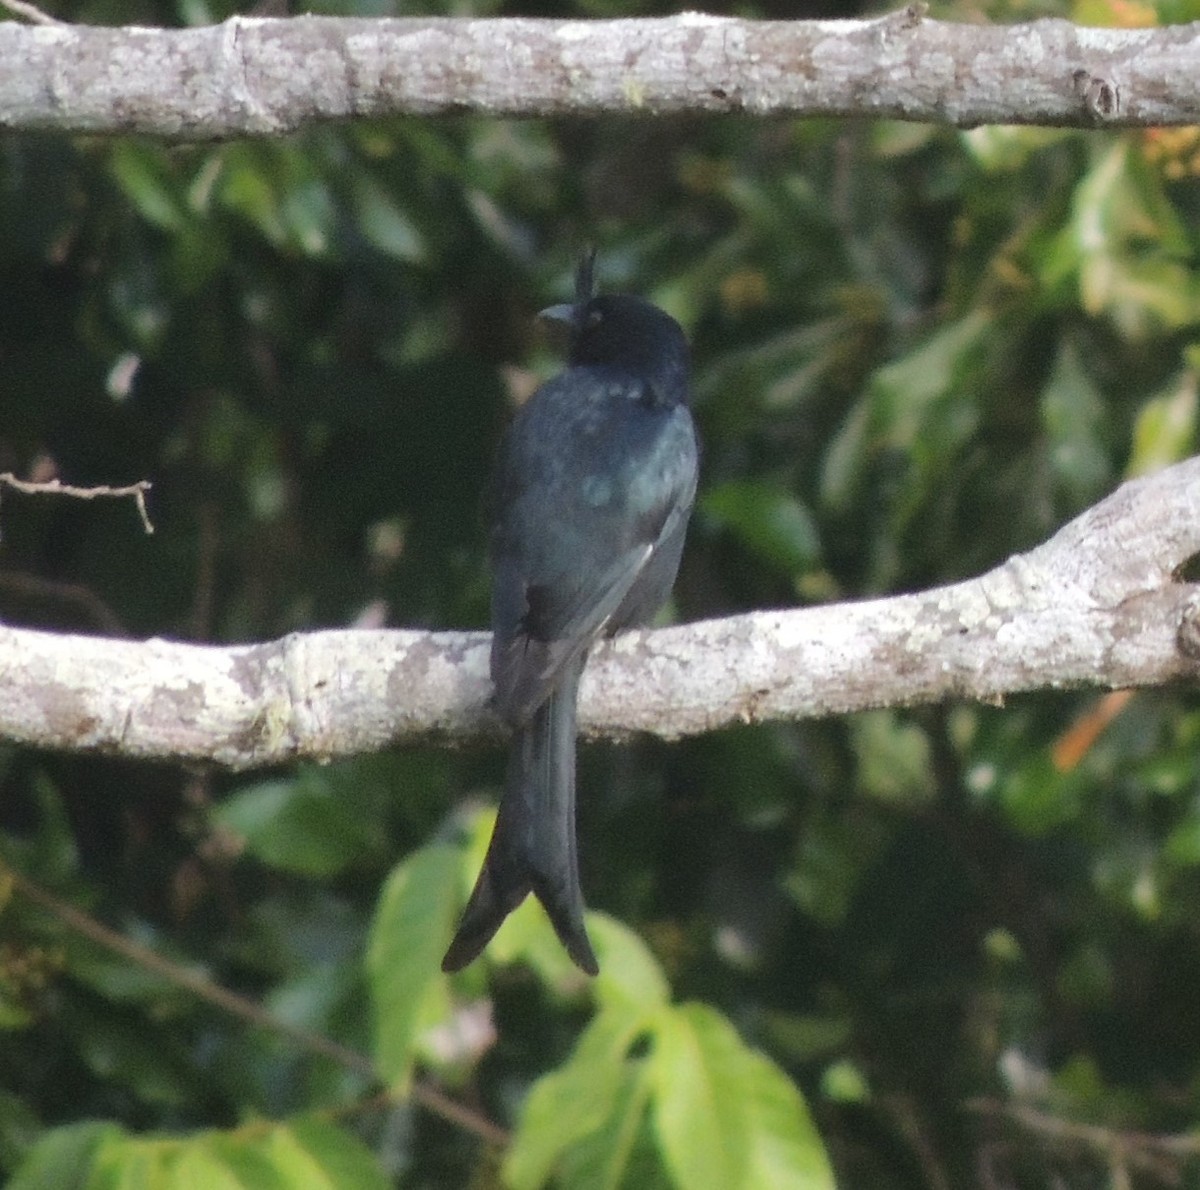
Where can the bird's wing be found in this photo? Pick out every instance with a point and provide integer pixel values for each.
(551, 631)
(550, 604)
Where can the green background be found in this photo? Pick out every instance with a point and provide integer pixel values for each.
(918, 948)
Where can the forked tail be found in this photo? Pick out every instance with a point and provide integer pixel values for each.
(533, 845)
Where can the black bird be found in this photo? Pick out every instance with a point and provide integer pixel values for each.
(591, 495)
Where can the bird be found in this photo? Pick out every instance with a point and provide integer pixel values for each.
(592, 490)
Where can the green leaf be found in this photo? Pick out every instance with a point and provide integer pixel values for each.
(126, 1052)
(198, 1165)
(124, 1162)
(833, 854)
(1037, 797)
(805, 1037)
(621, 1152)
(769, 521)
(143, 173)
(383, 222)
(844, 469)
(413, 924)
(1139, 294)
(573, 1102)
(924, 390)
(893, 757)
(1165, 429)
(63, 1157)
(13, 1014)
(726, 1115)
(309, 214)
(318, 1155)
(278, 189)
(844, 1082)
(1003, 148)
(921, 408)
(51, 851)
(245, 189)
(308, 1152)
(1183, 843)
(1072, 409)
(630, 976)
(243, 1154)
(301, 824)
(20, 1129)
(1124, 244)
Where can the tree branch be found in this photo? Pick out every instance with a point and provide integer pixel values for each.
(1099, 604)
(264, 77)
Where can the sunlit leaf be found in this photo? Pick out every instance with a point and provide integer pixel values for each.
(630, 976)
(412, 927)
(319, 1155)
(197, 1165)
(725, 1115)
(1124, 242)
(621, 1152)
(1139, 294)
(242, 1153)
(1002, 147)
(1125, 14)
(572, 1102)
(127, 1162)
(1165, 429)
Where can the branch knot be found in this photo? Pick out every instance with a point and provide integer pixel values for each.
(1101, 97)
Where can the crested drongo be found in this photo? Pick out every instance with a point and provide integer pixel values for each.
(590, 500)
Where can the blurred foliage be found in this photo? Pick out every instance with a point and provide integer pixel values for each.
(942, 947)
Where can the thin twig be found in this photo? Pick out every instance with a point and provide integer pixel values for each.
(30, 12)
(57, 487)
(1142, 1148)
(245, 1009)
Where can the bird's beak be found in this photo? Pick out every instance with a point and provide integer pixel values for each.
(564, 313)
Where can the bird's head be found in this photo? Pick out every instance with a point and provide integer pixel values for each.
(626, 332)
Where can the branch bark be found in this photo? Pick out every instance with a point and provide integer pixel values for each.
(1099, 604)
(265, 77)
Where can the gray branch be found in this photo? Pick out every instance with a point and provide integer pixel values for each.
(264, 77)
(1099, 604)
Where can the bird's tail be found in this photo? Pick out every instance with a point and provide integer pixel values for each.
(533, 845)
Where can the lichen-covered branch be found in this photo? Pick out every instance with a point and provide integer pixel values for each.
(259, 76)
(1098, 604)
